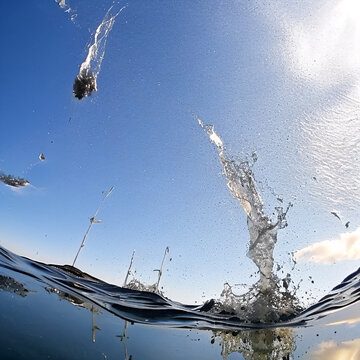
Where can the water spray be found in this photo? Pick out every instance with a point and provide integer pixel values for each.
(93, 220)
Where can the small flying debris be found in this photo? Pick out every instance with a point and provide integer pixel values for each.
(335, 214)
(254, 156)
(338, 216)
(42, 157)
(13, 181)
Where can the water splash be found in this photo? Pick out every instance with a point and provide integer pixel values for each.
(61, 3)
(93, 220)
(86, 81)
(136, 284)
(13, 181)
(67, 9)
(9, 284)
(262, 229)
(271, 297)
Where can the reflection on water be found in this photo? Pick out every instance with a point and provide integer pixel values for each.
(95, 310)
(94, 326)
(81, 328)
(331, 350)
(9, 284)
(271, 344)
(123, 338)
(151, 308)
(74, 300)
(260, 344)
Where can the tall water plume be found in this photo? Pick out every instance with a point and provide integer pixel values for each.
(270, 298)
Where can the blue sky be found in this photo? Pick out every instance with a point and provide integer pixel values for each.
(248, 70)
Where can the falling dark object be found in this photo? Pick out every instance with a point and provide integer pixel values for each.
(336, 215)
(13, 181)
(84, 85)
(42, 157)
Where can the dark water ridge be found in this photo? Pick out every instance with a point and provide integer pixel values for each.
(143, 307)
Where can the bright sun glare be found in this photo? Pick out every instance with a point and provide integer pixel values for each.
(327, 45)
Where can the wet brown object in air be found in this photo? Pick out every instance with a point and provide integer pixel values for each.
(84, 85)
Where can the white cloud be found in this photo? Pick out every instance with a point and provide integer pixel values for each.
(347, 247)
(351, 322)
(349, 350)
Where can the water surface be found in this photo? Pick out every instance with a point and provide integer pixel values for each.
(45, 306)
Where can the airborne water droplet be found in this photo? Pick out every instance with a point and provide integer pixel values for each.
(264, 301)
